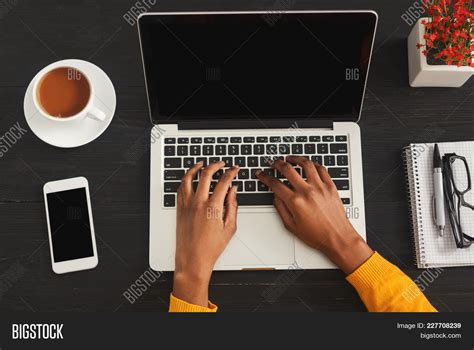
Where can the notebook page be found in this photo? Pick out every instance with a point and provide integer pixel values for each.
(442, 251)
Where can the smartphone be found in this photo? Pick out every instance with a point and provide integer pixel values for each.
(70, 225)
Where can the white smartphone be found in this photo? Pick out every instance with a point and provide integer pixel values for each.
(70, 225)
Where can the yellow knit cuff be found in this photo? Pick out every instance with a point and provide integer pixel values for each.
(367, 275)
(178, 305)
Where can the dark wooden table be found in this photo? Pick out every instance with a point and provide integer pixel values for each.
(36, 33)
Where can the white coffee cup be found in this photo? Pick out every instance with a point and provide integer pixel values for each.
(90, 110)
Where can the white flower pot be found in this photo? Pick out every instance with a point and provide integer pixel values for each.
(420, 73)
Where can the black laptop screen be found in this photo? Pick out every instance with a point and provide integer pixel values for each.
(256, 66)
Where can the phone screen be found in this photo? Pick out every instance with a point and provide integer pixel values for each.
(70, 225)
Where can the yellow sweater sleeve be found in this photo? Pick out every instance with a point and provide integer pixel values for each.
(384, 288)
(380, 284)
(178, 305)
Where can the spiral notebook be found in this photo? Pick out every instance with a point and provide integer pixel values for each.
(431, 250)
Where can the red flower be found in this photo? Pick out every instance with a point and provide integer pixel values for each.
(450, 31)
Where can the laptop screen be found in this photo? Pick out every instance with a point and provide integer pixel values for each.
(256, 66)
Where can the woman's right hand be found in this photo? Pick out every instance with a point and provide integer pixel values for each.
(313, 211)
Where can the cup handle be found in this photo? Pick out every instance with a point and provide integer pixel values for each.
(96, 113)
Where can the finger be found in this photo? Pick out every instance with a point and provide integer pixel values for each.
(324, 175)
(185, 190)
(274, 185)
(222, 187)
(287, 170)
(308, 167)
(202, 191)
(230, 219)
(285, 214)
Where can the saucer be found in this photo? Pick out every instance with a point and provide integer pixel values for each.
(78, 132)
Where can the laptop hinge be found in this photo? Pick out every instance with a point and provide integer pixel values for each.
(254, 124)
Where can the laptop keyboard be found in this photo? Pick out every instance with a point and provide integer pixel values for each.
(252, 153)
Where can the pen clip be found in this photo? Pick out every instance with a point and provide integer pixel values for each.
(433, 208)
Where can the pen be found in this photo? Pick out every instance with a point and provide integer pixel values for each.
(438, 197)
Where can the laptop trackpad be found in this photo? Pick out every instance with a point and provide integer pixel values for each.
(261, 240)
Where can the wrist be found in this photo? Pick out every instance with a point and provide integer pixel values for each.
(347, 250)
(192, 288)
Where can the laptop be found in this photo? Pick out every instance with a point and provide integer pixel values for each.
(246, 87)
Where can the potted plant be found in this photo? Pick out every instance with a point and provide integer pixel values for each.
(441, 45)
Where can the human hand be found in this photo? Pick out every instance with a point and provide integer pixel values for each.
(313, 211)
(203, 229)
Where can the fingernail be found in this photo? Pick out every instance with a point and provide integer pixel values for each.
(201, 162)
(258, 172)
(236, 167)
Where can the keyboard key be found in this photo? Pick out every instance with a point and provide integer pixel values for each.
(169, 200)
(171, 186)
(209, 140)
(272, 149)
(233, 150)
(338, 172)
(221, 150)
(246, 149)
(265, 161)
(342, 160)
(244, 174)
(250, 186)
(262, 187)
(345, 200)
(182, 140)
(342, 185)
(196, 139)
(269, 171)
(202, 159)
(182, 150)
(187, 163)
(252, 161)
(341, 138)
(235, 140)
(323, 148)
(195, 185)
(315, 139)
(284, 148)
(240, 161)
(172, 162)
(207, 150)
(329, 160)
(328, 138)
(252, 173)
(275, 139)
(317, 159)
(169, 151)
(310, 148)
(239, 184)
(170, 141)
(288, 139)
(336, 148)
(174, 174)
(222, 140)
(213, 160)
(262, 139)
(297, 149)
(228, 161)
(195, 150)
(258, 149)
(301, 138)
(249, 139)
(255, 198)
(218, 174)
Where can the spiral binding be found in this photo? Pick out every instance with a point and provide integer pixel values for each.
(409, 156)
